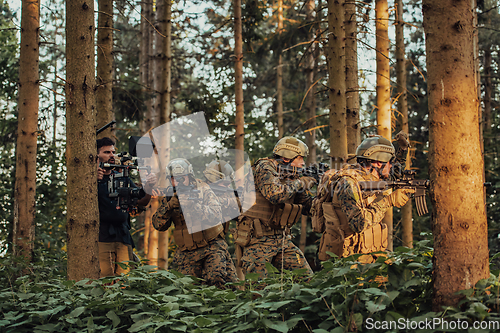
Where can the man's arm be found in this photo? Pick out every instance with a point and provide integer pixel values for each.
(161, 218)
(148, 188)
(359, 217)
(267, 181)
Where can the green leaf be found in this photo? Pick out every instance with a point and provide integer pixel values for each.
(279, 326)
(202, 321)
(270, 268)
(392, 295)
(96, 292)
(252, 277)
(338, 330)
(375, 291)
(76, 312)
(113, 317)
(358, 319)
(275, 306)
(141, 325)
(373, 307)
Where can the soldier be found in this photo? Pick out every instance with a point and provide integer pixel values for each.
(263, 231)
(203, 253)
(220, 177)
(350, 220)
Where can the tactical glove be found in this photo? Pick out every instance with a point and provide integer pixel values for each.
(307, 182)
(400, 197)
(402, 139)
(173, 203)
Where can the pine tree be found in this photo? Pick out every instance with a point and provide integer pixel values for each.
(24, 204)
(459, 219)
(82, 216)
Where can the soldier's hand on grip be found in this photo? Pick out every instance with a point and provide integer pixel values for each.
(173, 203)
(400, 197)
(307, 182)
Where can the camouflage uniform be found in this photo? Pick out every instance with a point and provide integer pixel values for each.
(267, 241)
(202, 254)
(351, 220)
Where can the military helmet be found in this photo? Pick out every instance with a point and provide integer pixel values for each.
(290, 147)
(217, 170)
(179, 167)
(376, 148)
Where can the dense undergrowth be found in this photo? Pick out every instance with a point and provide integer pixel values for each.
(344, 296)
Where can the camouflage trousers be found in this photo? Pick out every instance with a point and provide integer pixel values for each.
(275, 250)
(212, 263)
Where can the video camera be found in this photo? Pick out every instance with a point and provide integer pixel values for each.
(119, 184)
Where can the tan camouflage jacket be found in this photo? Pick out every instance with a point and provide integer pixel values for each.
(359, 216)
(268, 182)
(207, 209)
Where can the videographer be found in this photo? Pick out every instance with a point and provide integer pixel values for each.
(115, 241)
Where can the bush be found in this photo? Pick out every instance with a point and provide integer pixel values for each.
(343, 296)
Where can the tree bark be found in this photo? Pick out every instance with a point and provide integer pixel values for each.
(165, 113)
(24, 194)
(337, 83)
(166, 69)
(144, 62)
(82, 217)
(406, 211)
(459, 218)
(104, 81)
(310, 73)
(384, 88)
(158, 62)
(238, 83)
(279, 76)
(352, 86)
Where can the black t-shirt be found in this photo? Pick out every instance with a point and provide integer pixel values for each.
(114, 223)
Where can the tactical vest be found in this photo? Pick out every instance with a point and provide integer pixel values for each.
(337, 236)
(186, 241)
(266, 219)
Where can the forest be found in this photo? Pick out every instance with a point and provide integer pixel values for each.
(330, 73)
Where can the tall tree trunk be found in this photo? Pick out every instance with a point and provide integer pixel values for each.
(310, 73)
(488, 92)
(165, 112)
(158, 61)
(488, 84)
(337, 83)
(144, 61)
(383, 88)
(407, 221)
(459, 218)
(352, 86)
(24, 201)
(166, 68)
(104, 81)
(238, 86)
(82, 217)
(152, 118)
(279, 75)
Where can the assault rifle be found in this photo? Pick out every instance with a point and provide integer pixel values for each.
(407, 181)
(190, 190)
(315, 170)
